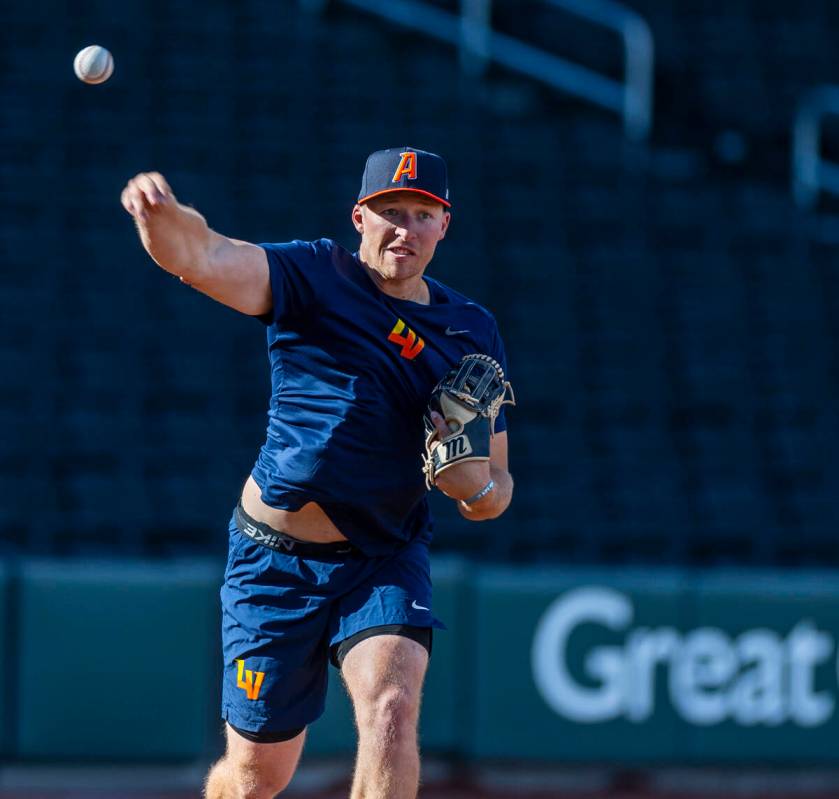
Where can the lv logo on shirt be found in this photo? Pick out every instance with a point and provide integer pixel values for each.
(411, 343)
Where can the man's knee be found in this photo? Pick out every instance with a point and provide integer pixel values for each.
(252, 770)
(237, 778)
(384, 675)
(390, 714)
(260, 780)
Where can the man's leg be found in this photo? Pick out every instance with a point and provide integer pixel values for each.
(251, 770)
(384, 677)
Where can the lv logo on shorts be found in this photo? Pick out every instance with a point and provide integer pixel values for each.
(252, 682)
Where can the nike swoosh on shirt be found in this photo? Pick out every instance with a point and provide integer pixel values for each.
(415, 606)
(450, 332)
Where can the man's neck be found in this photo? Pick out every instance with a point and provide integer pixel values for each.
(414, 288)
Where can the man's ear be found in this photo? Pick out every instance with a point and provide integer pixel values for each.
(447, 217)
(358, 218)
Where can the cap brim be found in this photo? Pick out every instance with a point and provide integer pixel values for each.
(415, 191)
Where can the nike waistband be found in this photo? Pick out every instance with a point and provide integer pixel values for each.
(266, 535)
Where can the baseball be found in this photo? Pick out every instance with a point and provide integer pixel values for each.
(93, 64)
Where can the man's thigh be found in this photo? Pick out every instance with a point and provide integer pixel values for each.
(386, 666)
(395, 596)
(276, 610)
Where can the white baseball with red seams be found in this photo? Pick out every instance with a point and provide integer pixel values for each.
(93, 64)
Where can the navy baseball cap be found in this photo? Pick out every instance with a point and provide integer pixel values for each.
(405, 169)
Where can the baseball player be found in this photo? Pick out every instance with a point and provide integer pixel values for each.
(385, 383)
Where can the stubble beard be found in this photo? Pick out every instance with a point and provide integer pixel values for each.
(387, 268)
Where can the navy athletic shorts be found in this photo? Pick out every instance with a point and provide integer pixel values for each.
(283, 617)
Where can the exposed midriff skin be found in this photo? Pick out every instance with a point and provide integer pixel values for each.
(310, 523)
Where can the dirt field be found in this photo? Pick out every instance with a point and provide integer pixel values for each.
(447, 792)
(435, 793)
(330, 781)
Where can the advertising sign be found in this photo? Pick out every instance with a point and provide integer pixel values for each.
(650, 666)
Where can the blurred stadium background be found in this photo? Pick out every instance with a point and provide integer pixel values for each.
(658, 611)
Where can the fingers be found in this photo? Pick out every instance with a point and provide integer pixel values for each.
(444, 428)
(133, 203)
(145, 193)
(161, 184)
(440, 424)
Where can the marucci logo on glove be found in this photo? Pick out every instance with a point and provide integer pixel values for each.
(454, 448)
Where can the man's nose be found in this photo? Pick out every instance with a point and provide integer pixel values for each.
(406, 229)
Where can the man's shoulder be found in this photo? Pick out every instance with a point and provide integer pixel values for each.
(314, 247)
(459, 301)
(317, 256)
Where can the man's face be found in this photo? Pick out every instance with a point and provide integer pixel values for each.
(399, 232)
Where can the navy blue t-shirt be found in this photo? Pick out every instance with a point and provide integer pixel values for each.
(351, 373)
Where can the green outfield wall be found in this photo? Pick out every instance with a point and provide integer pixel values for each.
(115, 660)
(9, 690)
(546, 665)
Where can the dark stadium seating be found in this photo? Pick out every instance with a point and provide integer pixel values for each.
(669, 315)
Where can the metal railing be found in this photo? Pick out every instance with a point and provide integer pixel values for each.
(471, 31)
(811, 173)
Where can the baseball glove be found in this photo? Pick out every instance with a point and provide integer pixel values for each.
(469, 398)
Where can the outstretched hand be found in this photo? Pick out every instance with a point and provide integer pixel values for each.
(146, 193)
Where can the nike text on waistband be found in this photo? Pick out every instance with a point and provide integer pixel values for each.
(261, 533)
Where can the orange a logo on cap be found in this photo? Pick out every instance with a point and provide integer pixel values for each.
(407, 166)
